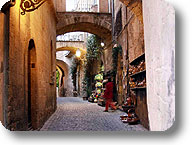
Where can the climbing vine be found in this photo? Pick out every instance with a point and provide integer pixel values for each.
(93, 48)
(93, 54)
(57, 78)
(115, 53)
(73, 71)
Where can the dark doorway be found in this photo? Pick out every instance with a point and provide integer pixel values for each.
(32, 84)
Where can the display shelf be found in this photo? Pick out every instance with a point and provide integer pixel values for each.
(138, 73)
(140, 96)
(137, 59)
(138, 88)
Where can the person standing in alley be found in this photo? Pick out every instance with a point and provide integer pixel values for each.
(108, 95)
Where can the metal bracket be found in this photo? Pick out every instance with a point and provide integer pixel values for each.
(30, 5)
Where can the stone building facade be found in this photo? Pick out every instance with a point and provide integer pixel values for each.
(29, 66)
(139, 31)
(84, 5)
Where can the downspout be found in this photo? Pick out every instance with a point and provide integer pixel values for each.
(6, 10)
(113, 17)
(115, 98)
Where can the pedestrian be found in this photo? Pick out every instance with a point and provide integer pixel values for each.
(108, 95)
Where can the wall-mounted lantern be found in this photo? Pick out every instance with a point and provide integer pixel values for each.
(102, 44)
(78, 53)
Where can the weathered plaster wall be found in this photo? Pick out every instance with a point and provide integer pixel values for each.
(39, 25)
(159, 27)
(2, 18)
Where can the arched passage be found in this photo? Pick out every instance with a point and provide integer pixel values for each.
(71, 46)
(72, 51)
(66, 87)
(95, 23)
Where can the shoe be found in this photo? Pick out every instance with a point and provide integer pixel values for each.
(105, 111)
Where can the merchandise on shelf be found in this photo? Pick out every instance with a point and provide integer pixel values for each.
(98, 85)
(131, 118)
(138, 83)
(142, 84)
(132, 83)
(137, 68)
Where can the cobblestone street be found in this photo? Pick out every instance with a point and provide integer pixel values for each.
(74, 114)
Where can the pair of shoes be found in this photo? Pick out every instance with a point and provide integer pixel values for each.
(105, 111)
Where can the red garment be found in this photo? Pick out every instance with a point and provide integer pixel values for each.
(109, 91)
(108, 95)
(109, 102)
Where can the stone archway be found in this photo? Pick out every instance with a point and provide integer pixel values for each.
(72, 47)
(66, 81)
(95, 23)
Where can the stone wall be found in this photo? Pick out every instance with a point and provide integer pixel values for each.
(39, 26)
(2, 18)
(60, 5)
(159, 28)
(130, 36)
(65, 64)
(108, 58)
(103, 6)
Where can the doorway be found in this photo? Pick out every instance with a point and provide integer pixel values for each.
(32, 84)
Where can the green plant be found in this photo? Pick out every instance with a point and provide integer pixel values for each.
(73, 71)
(93, 48)
(115, 53)
(93, 54)
(57, 78)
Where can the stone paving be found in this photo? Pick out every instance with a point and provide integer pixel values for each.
(74, 114)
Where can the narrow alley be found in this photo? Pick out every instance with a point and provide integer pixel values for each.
(61, 60)
(74, 114)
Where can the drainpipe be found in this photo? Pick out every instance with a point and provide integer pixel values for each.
(6, 10)
(113, 17)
